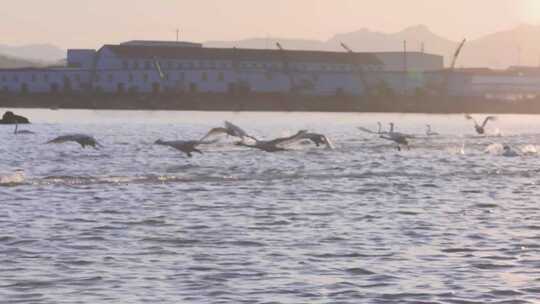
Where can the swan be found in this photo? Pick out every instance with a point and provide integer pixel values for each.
(186, 146)
(429, 132)
(82, 139)
(391, 131)
(399, 138)
(275, 145)
(319, 139)
(230, 130)
(509, 152)
(480, 129)
(17, 131)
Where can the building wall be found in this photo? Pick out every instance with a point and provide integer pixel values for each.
(83, 59)
(106, 72)
(416, 62)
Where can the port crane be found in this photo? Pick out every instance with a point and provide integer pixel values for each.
(456, 54)
(447, 73)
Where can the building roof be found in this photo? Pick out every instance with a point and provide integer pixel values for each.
(138, 51)
(154, 43)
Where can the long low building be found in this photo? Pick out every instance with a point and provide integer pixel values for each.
(157, 66)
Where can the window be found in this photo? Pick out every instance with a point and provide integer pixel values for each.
(269, 76)
(98, 78)
(4, 79)
(204, 76)
(169, 65)
(130, 77)
(181, 76)
(33, 78)
(45, 77)
(147, 65)
(125, 65)
(15, 78)
(110, 77)
(179, 65)
(77, 78)
(135, 65)
(220, 76)
(145, 77)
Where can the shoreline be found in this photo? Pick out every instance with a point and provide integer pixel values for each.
(273, 103)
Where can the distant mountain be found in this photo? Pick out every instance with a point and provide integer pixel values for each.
(518, 46)
(34, 52)
(264, 43)
(7, 62)
(363, 40)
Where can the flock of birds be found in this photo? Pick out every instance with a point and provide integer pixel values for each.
(274, 145)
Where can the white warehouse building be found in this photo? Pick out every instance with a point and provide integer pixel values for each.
(157, 66)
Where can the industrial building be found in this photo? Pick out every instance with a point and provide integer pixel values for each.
(185, 67)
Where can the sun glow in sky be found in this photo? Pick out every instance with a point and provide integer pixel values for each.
(530, 11)
(90, 23)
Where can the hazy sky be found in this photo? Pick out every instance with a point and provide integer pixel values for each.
(91, 23)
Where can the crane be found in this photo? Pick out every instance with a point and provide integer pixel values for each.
(446, 78)
(346, 47)
(456, 54)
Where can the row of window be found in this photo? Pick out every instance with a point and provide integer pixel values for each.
(170, 65)
(204, 76)
(38, 77)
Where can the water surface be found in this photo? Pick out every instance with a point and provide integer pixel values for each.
(450, 221)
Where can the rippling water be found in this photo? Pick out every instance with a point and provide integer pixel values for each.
(364, 223)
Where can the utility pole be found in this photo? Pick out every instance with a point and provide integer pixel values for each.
(405, 67)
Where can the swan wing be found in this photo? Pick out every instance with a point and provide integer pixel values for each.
(366, 130)
(61, 139)
(285, 141)
(493, 118)
(469, 117)
(236, 130)
(213, 132)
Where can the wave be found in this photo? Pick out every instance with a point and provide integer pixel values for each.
(13, 179)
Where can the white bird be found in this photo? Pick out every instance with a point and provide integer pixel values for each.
(391, 131)
(399, 138)
(17, 131)
(82, 139)
(429, 132)
(230, 130)
(480, 129)
(275, 145)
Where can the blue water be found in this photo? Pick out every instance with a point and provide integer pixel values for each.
(450, 221)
